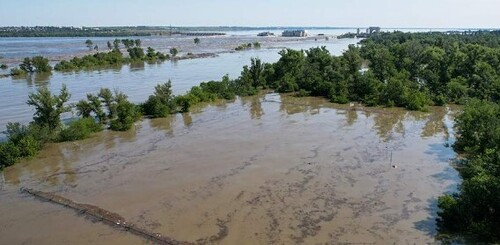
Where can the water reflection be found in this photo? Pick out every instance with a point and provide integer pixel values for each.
(164, 124)
(388, 122)
(137, 66)
(256, 111)
(435, 123)
(293, 105)
(187, 119)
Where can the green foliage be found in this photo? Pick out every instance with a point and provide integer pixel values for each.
(16, 72)
(4, 66)
(9, 154)
(138, 42)
(126, 113)
(22, 142)
(92, 107)
(27, 65)
(246, 46)
(48, 107)
(114, 57)
(41, 64)
(474, 209)
(161, 103)
(79, 129)
(196, 41)
(136, 53)
(89, 44)
(174, 52)
(153, 56)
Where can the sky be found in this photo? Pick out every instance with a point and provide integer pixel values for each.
(332, 13)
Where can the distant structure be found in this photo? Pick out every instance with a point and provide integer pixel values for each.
(294, 33)
(265, 34)
(372, 30)
(369, 31)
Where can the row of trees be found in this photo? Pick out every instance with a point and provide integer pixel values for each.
(475, 209)
(112, 58)
(106, 109)
(248, 46)
(31, 65)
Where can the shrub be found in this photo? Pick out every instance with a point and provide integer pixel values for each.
(16, 72)
(79, 129)
(3, 67)
(9, 154)
(161, 103)
(48, 107)
(126, 114)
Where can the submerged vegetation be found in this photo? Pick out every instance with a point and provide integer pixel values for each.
(246, 46)
(113, 57)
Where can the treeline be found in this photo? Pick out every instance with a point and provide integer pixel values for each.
(53, 31)
(98, 60)
(474, 211)
(106, 109)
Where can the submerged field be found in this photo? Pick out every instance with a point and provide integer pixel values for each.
(260, 170)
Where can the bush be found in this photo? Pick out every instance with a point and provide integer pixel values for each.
(3, 67)
(16, 72)
(9, 154)
(161, 103)
(79, 129)
(126, 114)
(22, 141)
(416, 101)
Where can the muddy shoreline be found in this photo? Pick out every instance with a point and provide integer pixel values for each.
(263, 169)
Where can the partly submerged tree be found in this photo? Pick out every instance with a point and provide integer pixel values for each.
(174, 52)
(89, 44)
(49, 107)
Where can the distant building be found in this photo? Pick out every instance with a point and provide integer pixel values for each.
(294, 33)
(373, 29)
(265, 34)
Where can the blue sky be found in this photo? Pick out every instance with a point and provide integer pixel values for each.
(341, 13)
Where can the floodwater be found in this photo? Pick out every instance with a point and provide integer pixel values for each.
(138, 81)
(267, 169)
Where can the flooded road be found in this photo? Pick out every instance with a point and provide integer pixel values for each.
(259, 170)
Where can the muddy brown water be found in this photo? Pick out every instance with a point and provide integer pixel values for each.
(268, 169)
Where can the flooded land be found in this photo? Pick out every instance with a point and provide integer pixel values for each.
(259, 170)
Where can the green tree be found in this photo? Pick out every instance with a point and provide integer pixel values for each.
(138, 42)
(474, 209)
(174, 52)
(116, 44)
(196, 41)
(136, 53)
(27, 65)
(126, 113)
(41, 64)
(48, 107)
(161, 103)
(89, 44)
